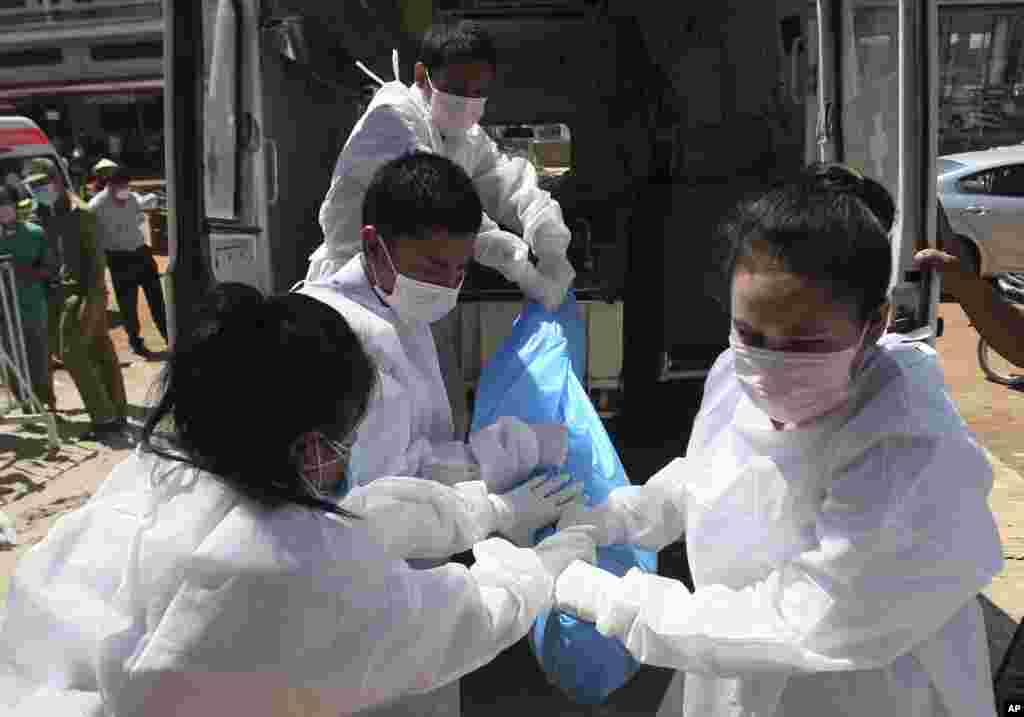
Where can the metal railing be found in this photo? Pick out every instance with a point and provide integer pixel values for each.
(14, 370)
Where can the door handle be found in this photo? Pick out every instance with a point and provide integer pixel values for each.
(977, 211)
(271, 145)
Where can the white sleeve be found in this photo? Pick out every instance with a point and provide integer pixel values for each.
(652, 515)
(381, 136)
(353, 639)
(884, 576)
(450, 621)
(419, 519)
(510, 195)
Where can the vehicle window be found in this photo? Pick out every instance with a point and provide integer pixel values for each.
(944, 166)
(220, 85)
(980, 183)
(981, 85)
(870, 89)
(1008, 181)
(547, 146)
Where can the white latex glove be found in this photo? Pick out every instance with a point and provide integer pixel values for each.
(547, 290)
(535, 504)
(596, 518)
(552, 443)
(564, 548)
(506, 451)
(585, 591)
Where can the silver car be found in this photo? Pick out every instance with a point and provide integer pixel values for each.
(983, 195)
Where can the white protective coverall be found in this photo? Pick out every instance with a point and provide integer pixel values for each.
(408, 427)
(836, 567)
(398, 121)
(168, 582)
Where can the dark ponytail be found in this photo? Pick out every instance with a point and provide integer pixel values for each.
(258, 374)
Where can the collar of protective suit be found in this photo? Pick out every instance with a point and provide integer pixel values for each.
(404, 352)
(411, 102)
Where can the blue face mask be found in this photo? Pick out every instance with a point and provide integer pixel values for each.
(45, 196)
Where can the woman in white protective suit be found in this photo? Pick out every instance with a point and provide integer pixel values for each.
(209, 575)
(833, 502)
(440, 113)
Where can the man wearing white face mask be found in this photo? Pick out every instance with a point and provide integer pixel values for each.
(439, 113)
(119, 215)
(420, 217)
(419, 220)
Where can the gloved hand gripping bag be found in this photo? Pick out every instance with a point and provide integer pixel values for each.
(535, 376)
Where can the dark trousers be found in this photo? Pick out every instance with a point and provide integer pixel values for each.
(130, 271)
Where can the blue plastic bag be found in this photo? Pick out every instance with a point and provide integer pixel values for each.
(534, 376)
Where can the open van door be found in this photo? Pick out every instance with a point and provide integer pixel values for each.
(878, 113)
(215, 152)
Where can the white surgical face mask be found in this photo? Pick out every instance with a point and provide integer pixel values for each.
(454, 113)
(795, 387)
(123, 194)
(417, 302)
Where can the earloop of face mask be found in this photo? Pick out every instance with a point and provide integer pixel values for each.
(315, 475)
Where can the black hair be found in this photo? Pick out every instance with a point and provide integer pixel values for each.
(256, 375)
(447, 44)
(7, 195)
(410, 195)
(828, 224)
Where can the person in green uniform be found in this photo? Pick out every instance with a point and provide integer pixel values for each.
(26, 244)
(82, 335)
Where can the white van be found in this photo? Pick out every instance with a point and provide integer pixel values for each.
(21, 142)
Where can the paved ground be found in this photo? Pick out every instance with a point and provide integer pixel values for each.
(513, 681)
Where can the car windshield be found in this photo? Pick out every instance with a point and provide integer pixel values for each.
(945, 166)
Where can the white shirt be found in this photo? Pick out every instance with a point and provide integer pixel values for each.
(837, 567)
(120, 226)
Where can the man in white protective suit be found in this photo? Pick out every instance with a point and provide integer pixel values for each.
(439, 113)
(420, 212)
